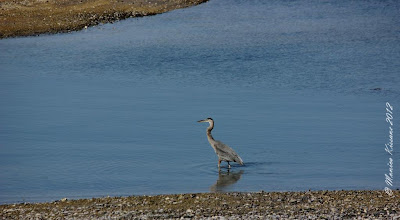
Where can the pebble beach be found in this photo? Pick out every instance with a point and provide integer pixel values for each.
(351, 204)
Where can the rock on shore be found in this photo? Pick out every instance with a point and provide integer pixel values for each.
(33, 17)
(261, 205)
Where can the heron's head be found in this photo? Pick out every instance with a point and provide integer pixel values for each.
(209, 120)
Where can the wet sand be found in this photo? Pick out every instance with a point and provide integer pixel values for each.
(260, 205)
(33, 17)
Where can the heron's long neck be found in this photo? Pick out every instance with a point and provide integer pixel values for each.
(209, 129)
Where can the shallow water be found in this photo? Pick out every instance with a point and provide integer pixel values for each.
(112, 110)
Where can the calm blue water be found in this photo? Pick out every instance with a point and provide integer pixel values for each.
(112, 110)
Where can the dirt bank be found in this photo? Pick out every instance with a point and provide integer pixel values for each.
(33, 17)
(270, 205)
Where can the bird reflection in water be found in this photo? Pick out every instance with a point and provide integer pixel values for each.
(226, 179)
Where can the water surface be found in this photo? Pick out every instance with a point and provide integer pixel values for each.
(298, 89)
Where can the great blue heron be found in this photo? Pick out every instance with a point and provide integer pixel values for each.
(223, 151)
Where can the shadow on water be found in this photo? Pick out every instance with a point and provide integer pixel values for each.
(226, 179)
(249, 167)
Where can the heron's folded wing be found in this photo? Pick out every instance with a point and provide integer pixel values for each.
(227, 153)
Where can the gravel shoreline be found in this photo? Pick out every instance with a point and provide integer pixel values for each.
(352, 204)
(34, 17)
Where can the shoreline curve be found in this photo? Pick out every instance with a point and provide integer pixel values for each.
(34, 17)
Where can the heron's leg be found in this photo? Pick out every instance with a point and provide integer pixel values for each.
(219, 163)
(229, 166)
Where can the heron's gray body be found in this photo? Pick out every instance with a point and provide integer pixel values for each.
(223, 151)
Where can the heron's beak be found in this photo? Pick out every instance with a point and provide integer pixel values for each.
(202, 121)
